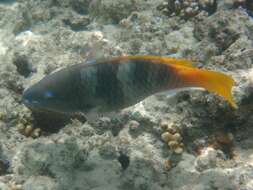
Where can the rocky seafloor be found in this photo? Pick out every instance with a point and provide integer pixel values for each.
(189, 141)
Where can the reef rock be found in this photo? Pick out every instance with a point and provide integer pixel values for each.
(128, 150)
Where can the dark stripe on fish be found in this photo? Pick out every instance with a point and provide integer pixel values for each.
(151, 77)
(108, 86)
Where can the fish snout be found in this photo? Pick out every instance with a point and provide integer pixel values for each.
(28, 99)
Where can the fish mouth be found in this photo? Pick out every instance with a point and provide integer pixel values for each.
(31, 104)
(37, 106)
(34, 106)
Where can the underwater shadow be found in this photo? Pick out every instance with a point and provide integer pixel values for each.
(52, 122)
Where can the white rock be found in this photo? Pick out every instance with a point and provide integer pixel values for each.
(206, 159)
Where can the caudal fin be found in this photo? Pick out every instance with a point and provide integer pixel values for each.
(212, 81)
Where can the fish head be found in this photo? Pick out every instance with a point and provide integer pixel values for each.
(53, 93)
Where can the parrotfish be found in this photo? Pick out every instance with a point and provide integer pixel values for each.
(113, 84)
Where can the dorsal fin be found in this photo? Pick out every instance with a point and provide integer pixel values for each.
(158, 59)
(182, 62)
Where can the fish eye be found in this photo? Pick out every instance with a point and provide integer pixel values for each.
(48, 94)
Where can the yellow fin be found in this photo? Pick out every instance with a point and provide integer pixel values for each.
(212, 81)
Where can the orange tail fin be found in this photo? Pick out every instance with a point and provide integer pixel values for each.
(216, 82)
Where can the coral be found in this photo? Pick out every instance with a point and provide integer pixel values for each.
(111, 10)
(220, 36)
(172, 137)
(29, 130)
(246, 4)
(188, 8)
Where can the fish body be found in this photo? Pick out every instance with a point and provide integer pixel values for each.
(113, 84)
